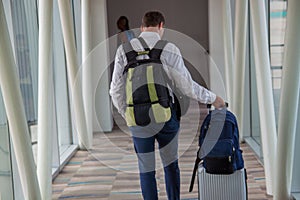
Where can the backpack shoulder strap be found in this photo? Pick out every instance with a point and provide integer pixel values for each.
(155, 53)
(130, 53)
(144, 44)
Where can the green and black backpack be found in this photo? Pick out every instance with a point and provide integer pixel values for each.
(147, 95)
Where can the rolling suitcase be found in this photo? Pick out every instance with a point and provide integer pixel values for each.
(222, 186)
(219, 161)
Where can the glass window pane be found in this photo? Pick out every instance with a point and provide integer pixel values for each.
(255, 117)
(6, 189)
(61, 85)
(278, 11)
(25, 35)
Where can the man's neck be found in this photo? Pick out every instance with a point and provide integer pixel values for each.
(151, 29)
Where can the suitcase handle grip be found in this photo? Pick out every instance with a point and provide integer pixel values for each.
(209, 105)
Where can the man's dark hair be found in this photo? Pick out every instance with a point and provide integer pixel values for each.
(153, 18)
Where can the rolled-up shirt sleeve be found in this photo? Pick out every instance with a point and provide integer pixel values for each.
(117, 86)
(176, 70)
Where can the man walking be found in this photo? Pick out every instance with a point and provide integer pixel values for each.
(166, 133)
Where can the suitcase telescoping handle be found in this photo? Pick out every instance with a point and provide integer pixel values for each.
(209, 105)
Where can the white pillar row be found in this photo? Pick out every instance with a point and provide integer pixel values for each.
(15, 111)
(228, 49)
(74, 77)
(86, 67)
(264, 90)
(241, 17)
(45, 113)
(287, 120)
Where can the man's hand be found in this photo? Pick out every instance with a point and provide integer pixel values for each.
(219, 103)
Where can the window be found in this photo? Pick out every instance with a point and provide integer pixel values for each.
(61, 90)
(23, 20)
(277, 18)
(6, 189)
(25, 37)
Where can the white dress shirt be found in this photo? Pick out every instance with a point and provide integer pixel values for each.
(173, 65)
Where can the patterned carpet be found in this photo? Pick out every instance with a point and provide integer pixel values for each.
(109, 171)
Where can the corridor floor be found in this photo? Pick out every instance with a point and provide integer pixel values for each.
(109, 170)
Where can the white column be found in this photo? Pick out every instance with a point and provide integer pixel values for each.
(241, 17)
(287, 120)
(86, 67)
(100, 61)
(228, 49)
(45, 119)
(16, 114)
(72, 65)
(264, 89)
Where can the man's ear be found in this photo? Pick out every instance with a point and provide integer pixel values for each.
(160, 25)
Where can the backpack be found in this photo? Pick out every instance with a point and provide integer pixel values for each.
(225, 155)
(221, 153)
(147, 95)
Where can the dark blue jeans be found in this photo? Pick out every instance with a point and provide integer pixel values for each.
(167, 138)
